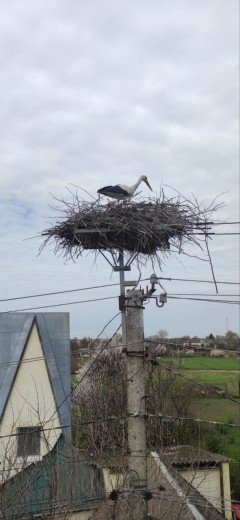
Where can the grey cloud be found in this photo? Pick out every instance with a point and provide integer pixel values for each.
(92, 95)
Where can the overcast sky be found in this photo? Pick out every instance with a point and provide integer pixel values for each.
(100, 92)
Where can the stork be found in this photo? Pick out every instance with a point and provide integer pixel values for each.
(120, 191)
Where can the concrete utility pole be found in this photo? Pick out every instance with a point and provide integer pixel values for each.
(131, 307)
(136, 406)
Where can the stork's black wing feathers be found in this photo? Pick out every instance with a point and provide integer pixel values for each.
(113, 189)
(105, 188)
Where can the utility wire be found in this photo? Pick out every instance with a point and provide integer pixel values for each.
(160, 416)
(197, 281)
(69, 354)
(230, 302)
(209, 300)
(203, 294)
(59, 292)
(192, 419)
(163, 495)
(60, 304)
(91, 350)
(39, 295)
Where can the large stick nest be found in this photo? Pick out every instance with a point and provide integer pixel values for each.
(144, 228)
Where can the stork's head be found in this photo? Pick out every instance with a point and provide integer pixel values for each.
(144, 178)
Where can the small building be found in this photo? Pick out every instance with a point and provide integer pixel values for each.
(35, 392)
(205, 471)
(41, 473)
(175, 497)
(183, 483)
(60, 485)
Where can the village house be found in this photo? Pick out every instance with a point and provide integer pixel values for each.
(42, 474)
(205, 471)
(186, 483)
(40, 471)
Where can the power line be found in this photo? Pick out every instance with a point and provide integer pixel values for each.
(60, 304)
(160, 416)
(193, 419)
(165, 495)
(39, 295)
(59, 292)
(203, 294)
(69, 354)
(193, 280)
(90, 351)
(231, 302)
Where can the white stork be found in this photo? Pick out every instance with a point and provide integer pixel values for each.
(120, 191)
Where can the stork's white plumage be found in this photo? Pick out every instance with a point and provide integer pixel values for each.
(120, 191)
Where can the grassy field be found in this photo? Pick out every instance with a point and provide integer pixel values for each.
(225, 380)
(223, 374)
(205, 363)
(216, 408)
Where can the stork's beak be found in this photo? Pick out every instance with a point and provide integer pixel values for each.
(147, 183)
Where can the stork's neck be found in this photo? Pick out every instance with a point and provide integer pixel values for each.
(135, 186)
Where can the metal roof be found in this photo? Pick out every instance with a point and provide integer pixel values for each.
(53, 328)
(189, 455)
(178, 498)
(60, 482)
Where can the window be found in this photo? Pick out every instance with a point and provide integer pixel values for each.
(28, 442)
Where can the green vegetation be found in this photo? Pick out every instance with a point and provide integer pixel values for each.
(222, 373)
(215, 408)
(172, 392)
(74, 380)
(224, 380)
(204, 363)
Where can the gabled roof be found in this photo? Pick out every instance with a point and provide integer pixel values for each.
(179, 499)
(189, 455)
(53, 330)
(60, 482)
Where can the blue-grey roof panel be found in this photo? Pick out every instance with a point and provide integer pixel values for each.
(54, 334)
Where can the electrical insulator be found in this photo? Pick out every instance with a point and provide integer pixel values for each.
(163, 298)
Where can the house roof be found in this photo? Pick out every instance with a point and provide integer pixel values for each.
(189, 455)
(178, 498)
(61, 481)
(53, 330)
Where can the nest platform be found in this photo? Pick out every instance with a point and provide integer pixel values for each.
(144, 228)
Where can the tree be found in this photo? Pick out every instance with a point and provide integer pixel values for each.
(163, 335)
(211, 337)
(232, 340)
(74, 344)
(104, 396)
(219, 341)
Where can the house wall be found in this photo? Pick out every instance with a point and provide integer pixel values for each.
(170, 503)
(31, 403)
(227, 489)
(208, 483)
(112, 480)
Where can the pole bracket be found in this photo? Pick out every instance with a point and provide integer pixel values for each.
(122, 268)
(121, 301)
